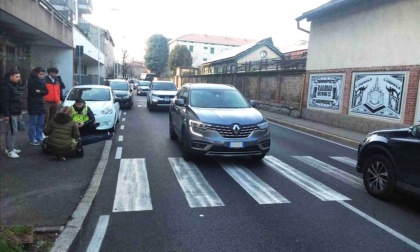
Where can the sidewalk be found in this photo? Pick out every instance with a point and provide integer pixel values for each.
(336, 134)
(41, 191)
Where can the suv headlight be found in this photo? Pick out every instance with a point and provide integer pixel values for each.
(199, 125)
(263, 125)
(108, 110)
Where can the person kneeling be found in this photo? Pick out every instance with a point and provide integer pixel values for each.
(62, 134)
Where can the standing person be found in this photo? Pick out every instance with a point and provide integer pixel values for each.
(63, 134)
(11, 110)
(52, 100)
(36, 105)
(62, 87)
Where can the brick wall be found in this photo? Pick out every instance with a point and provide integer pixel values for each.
(365, 124)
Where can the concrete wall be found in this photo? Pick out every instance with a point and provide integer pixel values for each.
(374, 33)
(59, 57)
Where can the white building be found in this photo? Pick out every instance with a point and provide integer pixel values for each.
(205, 47)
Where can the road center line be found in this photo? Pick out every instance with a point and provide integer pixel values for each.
(307, 183)
(333, 172)
(258, 189)
(99, 234)
(133, 191)
(122, 127)
(120, 138)
(381, 225)
(124, 113)
(123, 119)
(197, 190)
(118, 153)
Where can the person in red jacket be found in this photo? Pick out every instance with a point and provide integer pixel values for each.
(53, 98)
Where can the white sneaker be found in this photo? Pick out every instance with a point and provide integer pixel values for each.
(12, 154)
(14, 150)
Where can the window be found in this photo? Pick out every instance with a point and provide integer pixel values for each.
(212, 50)
(205, 48)
(204, 59)
(191, 48)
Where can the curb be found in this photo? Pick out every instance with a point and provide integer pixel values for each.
(71, 230)
(342, 140)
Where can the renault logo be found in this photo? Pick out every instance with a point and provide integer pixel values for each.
(236, 129)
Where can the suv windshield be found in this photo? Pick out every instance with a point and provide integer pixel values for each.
(164, 86)
(90, 94)
(118, 85)
(217, 98)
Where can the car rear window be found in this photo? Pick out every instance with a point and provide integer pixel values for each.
(118, 85)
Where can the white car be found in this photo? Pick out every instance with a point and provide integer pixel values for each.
(101, 100)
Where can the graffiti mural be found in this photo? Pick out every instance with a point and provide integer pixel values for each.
(325, 91)
(378, 94)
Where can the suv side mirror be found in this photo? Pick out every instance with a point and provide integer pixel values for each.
(179, 102)
(415, 131)
(252, 103)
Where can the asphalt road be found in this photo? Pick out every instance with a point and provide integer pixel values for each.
(304, 196)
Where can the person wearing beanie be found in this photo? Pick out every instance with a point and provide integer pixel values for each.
(36, 105)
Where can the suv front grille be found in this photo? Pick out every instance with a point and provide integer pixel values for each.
(166, 96)
(226, 131)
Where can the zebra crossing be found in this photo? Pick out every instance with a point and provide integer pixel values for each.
(133, 188)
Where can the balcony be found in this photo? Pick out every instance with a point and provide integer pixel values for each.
(67, 8)
(85, 7)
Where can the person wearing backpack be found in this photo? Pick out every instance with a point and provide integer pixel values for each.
(11, 110)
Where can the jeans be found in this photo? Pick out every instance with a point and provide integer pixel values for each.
(94, 138)
(11, 127)
(36, 127)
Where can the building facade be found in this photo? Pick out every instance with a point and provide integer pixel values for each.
(205, 47)
(363, 64)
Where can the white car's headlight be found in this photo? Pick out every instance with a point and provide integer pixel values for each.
(263, 125)
(108, 110)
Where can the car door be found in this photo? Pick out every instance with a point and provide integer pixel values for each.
(116, 105)
(176, 112)
(409, 148)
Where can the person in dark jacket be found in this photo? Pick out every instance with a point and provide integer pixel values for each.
(62, 86)
(62, 133)
(36, 105)
(11, 110)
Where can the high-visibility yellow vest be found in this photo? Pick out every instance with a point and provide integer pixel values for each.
(80, 118)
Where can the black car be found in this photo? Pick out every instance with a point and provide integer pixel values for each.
(123, 91)
(216, 120)
(390, 161)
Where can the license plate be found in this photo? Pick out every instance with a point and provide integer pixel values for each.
(236, 144)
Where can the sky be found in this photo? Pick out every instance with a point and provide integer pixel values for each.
(132, 22)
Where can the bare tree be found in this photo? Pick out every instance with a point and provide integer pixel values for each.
(125, 65)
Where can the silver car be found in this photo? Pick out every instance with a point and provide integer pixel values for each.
(160, 94)
(216, 120)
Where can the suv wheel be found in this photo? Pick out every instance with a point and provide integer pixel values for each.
(186, 152)
(379, 176)
(172, 134)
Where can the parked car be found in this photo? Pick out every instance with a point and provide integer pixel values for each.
(390, 161)
(143, 87)
(122, 90)
(101, 100)
(216, 120)
(160, 95)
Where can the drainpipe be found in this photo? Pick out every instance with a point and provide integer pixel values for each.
(298, 26)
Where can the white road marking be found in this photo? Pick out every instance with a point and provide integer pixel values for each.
(312, 186)
(125, 113)
(346, 160)
(122, 127)
(120, 138)
(118, 153)
(140, 106)
(133, 192)
(333, 171)
(123, 119)
(99, 234)
(381, 225)
(197, 190)
(258, 189)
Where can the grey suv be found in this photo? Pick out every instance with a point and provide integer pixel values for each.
(160, 94)
(216, 120)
